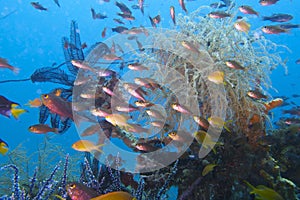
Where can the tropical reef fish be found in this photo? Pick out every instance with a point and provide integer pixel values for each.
(117, 119)
(255, 94)
(78, 191)
(181, 3)
(289, 26)
(35, 103)
(42, 128)
(8, 108)
(119, 195)
(123, 8)
(97, 15)
(217, 5)
(208, 168)
(141, 6)
(234, 65)
(172, 14)
(103, 33)
(38, 6)
(4, 64)
(57, 105)
(216, 77)
(188, 45)
(267, 2)
(181, 108)
(274, 29)
(86, 146)
(217, 122)
(248, 10)
(242, 26)
(206, 140)
(263, 192)
(278, 17)
(201, 121)
(3, 147)
(57, 3)
(218, 14)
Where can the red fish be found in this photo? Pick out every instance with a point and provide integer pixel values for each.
(57, 105)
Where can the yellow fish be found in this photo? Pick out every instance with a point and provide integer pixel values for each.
(208, 168)
(242, 26)
(86, 146)
(3, 147)
(205, 140)
(119, 195)
(216, 77)
(264, 193)
(34, 103)
(217, 122)
(118, 120)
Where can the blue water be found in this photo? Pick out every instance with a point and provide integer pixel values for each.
(31, 39)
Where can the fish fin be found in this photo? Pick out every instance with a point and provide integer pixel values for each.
(99, 148)
(17, 112)
(16, 70)
(250, 186)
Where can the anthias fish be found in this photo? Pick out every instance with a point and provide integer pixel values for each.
(248, 10)
(78, 191)
(181, 3)
(123, 8)
(218, 14)
(57, 105)
(119, 195)
(272, 29)
(5, 64)
(267, 2)
(172, 14)
(38, 6)
(242, 26)
(234, 65)
(278, 17)
(42, 128)
(86, 146)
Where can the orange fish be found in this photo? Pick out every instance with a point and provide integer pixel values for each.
(35, 103)
(119, 195)
(42, 128)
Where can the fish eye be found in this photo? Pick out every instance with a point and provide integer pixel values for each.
(72, 186)
(172, 133)
(46, 96)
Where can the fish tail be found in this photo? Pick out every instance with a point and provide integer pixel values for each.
(16, 112)
(264, 18)
(250, 186)
(16, 70)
